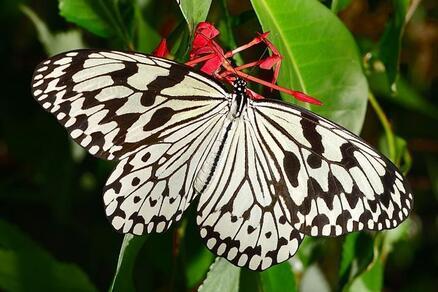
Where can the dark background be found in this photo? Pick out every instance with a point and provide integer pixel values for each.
(50, 192)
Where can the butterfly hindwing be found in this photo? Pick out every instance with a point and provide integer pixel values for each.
(240, 215)
(153, 187)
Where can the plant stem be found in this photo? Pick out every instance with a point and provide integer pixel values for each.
(390, 139)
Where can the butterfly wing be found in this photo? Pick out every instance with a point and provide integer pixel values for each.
(153, 187)
(157, 117)
(330, 181)
(113, 102)
(239, 215)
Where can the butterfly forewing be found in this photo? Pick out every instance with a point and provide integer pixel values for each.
(156, 116)
(113, 102)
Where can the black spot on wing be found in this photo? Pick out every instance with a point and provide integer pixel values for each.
(314, 161)
(292, 167)
(159, 118)
(309, 131)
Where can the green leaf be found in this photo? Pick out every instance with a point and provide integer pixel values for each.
(320, 57)
(54, 43)
(390, 43)
(123, 279)
(147, 37)
(339, 5)
(278, 278)
(348, 253)
(391, 237)
(406, 96)
(223, 276)
(103, 18)
(27, 267)
(369, 281)
(85, 14)
(308, 251)
(197, 266)
(194, 11)
(402, 158)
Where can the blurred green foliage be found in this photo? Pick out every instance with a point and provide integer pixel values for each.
(53, 232)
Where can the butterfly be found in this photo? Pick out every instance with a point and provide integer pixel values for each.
(264, 173)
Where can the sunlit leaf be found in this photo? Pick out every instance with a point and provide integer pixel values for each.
(103, 18)
(320, 57)
(194, 11)
(314, 280)
(123, 279)
(369, 281)
(86, 14)
(27, 267)
(278, 278)
(223, 276)
(54, 43)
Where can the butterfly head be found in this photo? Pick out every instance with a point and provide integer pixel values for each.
(239, 86)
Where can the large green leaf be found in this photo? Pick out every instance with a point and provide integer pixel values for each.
(24, 266)
(223, 276)
(123, 279)
(278, 278)
(85, 14)
(320, 57)
(194, 11)
(103, 18)
(390, 43)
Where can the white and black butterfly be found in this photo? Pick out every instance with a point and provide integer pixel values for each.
(267, 173)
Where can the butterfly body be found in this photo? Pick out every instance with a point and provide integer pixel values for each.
(265, 173)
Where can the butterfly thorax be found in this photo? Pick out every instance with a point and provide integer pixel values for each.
(239, 98)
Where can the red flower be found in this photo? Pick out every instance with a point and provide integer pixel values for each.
(161, 50)
(206, 51)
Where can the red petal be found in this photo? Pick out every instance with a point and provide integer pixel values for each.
(207, 29)
(204, 33)
(212, 65)
(306, 98)
(269, 62)
(161, 50)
